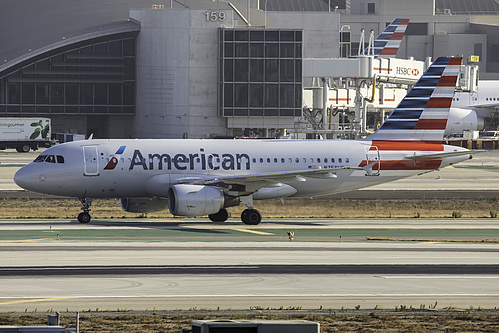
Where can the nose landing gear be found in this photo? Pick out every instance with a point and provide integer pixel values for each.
(84, 217)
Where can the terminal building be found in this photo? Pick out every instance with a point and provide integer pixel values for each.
(213, 68)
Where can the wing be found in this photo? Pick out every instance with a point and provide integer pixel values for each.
(485, 109)
(253, 182)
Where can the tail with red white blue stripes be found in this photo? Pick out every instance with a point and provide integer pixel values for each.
(388, 42)
(422, 114)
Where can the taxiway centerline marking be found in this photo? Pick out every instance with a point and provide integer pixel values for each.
(254, 232)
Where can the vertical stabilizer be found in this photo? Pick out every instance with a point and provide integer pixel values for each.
(388, 42)
(422, 114)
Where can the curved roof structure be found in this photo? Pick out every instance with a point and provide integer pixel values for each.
(32, 27)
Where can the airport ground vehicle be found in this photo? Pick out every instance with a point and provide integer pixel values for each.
(25, 134)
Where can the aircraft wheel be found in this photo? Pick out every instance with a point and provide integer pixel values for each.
(221, 216)
(251, 217)
(84, 217)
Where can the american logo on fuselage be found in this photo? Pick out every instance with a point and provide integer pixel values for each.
(114, 161)
(193, 161)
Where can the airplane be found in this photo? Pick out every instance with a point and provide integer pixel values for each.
(198, 177)
(469, 109)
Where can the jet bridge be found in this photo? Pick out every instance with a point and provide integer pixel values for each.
(359, 92)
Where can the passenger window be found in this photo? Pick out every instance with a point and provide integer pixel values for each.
(50, 159)
(339, 160)
(282, 160)
(261, 160)
(60, 159)
(297, 160)
(40, 158)
(318, 160)
(325, 160)
(347, 160)
(332, 160)
(275, 160)
(268, 160)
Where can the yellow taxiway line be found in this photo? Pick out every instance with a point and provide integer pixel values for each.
(254, 232)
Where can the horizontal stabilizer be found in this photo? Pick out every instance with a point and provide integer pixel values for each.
(439, 156)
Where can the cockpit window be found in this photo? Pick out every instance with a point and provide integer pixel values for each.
(50, 159)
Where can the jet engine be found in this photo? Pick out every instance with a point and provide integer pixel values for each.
(194, 200)
(463, 119)
(143, 205)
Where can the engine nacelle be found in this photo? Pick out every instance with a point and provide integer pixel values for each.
(143, 205)
(194, 200)
(463, 119)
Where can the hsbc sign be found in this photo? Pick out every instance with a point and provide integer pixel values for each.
(407, 71)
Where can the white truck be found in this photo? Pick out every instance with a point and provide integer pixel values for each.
(25, 134)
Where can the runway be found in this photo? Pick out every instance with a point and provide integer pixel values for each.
(194, 264)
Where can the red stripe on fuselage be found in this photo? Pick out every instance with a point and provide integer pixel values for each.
(404, 22)
(404, 165)
(407, 145)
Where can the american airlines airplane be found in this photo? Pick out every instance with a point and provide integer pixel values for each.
(204, 177)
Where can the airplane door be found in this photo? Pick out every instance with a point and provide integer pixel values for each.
(372, 156)
(90, 161)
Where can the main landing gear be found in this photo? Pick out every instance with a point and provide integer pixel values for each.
(84, 217)
(250, 216)
(221, 216)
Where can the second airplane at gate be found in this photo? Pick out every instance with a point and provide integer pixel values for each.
(204, 177)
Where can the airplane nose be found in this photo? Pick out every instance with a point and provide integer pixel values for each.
(23, 178)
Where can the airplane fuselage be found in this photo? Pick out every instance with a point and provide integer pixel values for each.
(147, 168)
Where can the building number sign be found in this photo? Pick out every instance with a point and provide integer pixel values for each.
(213, 16)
